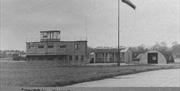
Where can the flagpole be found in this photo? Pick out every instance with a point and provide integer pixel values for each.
(118, 61)
(86, 27)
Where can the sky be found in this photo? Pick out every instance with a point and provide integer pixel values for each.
(153, 21)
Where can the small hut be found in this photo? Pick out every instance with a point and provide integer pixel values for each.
(151, 57)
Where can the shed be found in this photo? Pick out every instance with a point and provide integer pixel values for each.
(152, 57)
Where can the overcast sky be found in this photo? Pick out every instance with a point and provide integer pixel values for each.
(152, 21)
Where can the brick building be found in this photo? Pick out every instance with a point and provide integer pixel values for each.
(51, 47)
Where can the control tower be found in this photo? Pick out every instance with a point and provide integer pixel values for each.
(50, 47)
(52, 35)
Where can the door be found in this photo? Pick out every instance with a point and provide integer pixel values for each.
(152, 58)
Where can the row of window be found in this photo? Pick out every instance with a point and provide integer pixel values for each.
(48, 46)
(62, 58)
(76, 46)
(77, 57)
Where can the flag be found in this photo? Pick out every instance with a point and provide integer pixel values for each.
(128, 2)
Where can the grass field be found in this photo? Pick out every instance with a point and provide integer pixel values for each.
(52, 74)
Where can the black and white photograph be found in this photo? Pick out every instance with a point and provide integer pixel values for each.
(89, 45)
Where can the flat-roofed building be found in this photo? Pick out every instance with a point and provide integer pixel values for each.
(51, 48)
(110, 55)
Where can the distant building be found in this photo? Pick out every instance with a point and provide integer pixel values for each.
(51, 48)
(110, 55)
(12, 55)
(176, 51)
(151, 57)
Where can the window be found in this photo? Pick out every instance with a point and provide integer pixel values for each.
(50, 46)
(28, 47)
(40, 58)
(62, 46)
(82, 58)
(70, 57)
(76, 46)
(50, 58)
(77, 57)
(31, 46)
(40, 46)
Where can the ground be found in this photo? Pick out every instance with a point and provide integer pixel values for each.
(53, 74)
(160, 78)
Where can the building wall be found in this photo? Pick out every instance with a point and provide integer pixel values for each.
(105, 57)
(128, 56)
(70, 50)
(59, 48)
(111, 56)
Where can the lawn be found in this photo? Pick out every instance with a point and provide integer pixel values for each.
(52, 74)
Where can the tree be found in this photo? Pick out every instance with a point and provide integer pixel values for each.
(176, 49)
(165, 50)
(138, 50)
